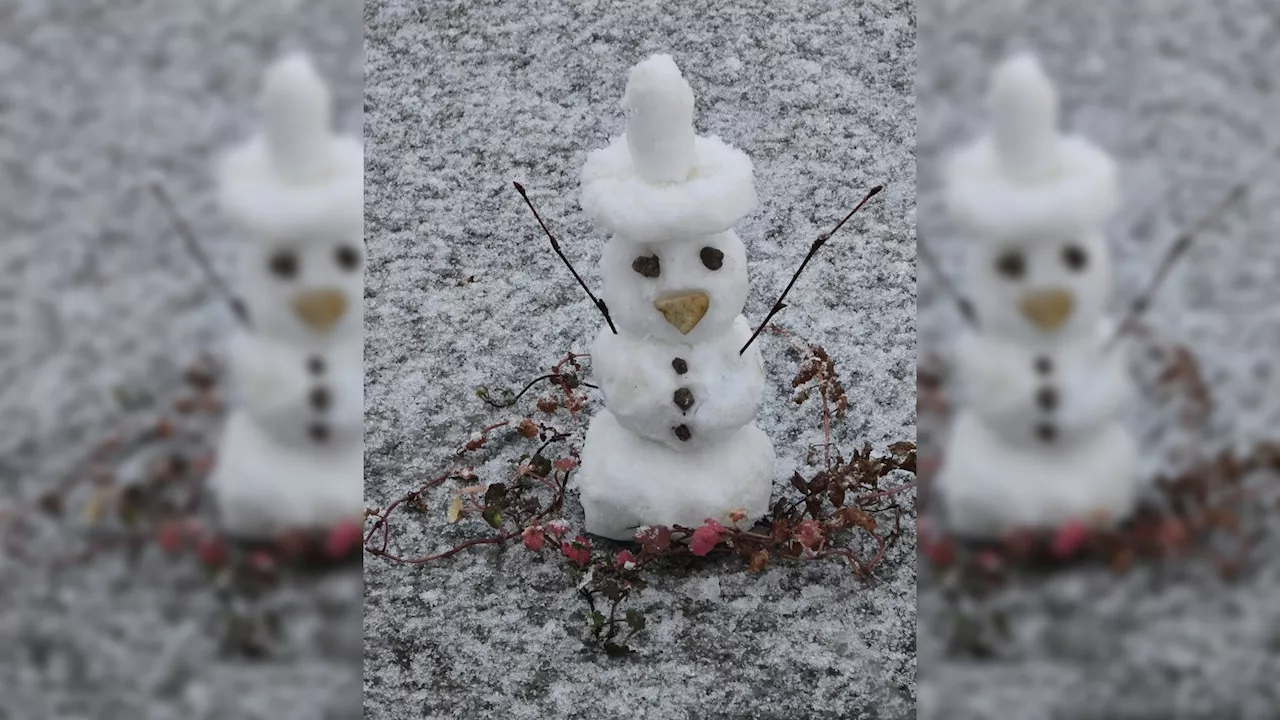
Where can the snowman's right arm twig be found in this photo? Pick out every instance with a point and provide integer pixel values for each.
(962, 302)
(1175, 252)
(556, 246)
(813, 250)
(193, 246)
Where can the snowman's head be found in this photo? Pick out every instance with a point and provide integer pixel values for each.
(1036, 200)
(306, 289)
(679, 291)
(1041, 288)
(298, 191)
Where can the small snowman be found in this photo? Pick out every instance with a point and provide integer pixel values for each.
(677, 442)
(1040, 440)
(291, 455)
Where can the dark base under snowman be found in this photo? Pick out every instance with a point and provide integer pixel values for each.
(676, 443)
(1041, 438)
(291, 456)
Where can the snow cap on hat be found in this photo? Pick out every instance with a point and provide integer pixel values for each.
(1025, 179)
(659, 180)
(296, 178)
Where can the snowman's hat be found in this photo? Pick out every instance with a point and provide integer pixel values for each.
(659, 180)
(296, 179)
(1025, 179)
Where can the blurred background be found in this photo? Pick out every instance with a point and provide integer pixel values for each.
(102, 315)
(1183, 95)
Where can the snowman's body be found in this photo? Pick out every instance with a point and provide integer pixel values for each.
(676, 443)
(291, 455)
(294, 442)
(1040, 438)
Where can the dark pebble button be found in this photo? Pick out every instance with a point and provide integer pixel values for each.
(315, 364)
(320, 398)
(680, 366)
(319, 432)
(1044, 365)
(1046, 432)
(682, 432)
(684, 399)
(1047, 398)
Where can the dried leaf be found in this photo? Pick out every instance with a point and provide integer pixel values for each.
(455, 510)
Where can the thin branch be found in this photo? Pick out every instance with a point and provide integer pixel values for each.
(1179, 249)
(813, 250)
(193, 246)
(962, 303)
(555, 245)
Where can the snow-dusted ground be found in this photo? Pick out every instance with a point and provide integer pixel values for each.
(462, 98)
(1183, 93)
(97, 294)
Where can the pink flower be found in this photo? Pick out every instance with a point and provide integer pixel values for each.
(343, 539)
(940, 552)
(532, 537)
(809, 533)
(625, 560)
(706, 537)
(213, 552)
(989, 561)
(578, 551)
(557, 528)
(565, 464)
(262, 561)
(170, 536)
(1069, 539)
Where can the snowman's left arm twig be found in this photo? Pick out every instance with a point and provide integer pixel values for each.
(555, 245)
(813, 250)
(1175, 252)
(193, 246)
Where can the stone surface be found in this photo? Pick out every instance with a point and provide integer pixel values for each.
(462, 99)
(99, 301)
(1183, 95)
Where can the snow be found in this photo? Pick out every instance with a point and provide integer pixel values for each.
(461, 100)
(98, 99)
(1182, 94)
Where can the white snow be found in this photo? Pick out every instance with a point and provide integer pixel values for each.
(1041, 439)
(293, 451)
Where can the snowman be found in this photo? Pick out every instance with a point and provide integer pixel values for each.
(1040, 440)
(291, 455)
(677, 442)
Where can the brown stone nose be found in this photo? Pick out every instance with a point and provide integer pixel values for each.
(320, 309)
(1048, 309)
(684, 311)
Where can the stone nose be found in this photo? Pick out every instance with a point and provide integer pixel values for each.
(684, 311)
(320, 309)
(1048, 309)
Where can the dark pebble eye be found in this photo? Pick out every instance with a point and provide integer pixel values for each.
(712, 258)
(647, 266)
(348, 257)
(1011, 264)
(284, 264)
(1075, 257)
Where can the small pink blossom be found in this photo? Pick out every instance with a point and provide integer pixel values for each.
(532, 537)
(557, 528)
(989, 561)
(565, 464)
(706, 537)
(809, 533)
(262, 561)
(343, 538)
(170, 536)
(625, 560)
(578, 551)
(1069, 539)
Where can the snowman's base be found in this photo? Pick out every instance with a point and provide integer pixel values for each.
(989, 487)
(627, 481)
(262, 488)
